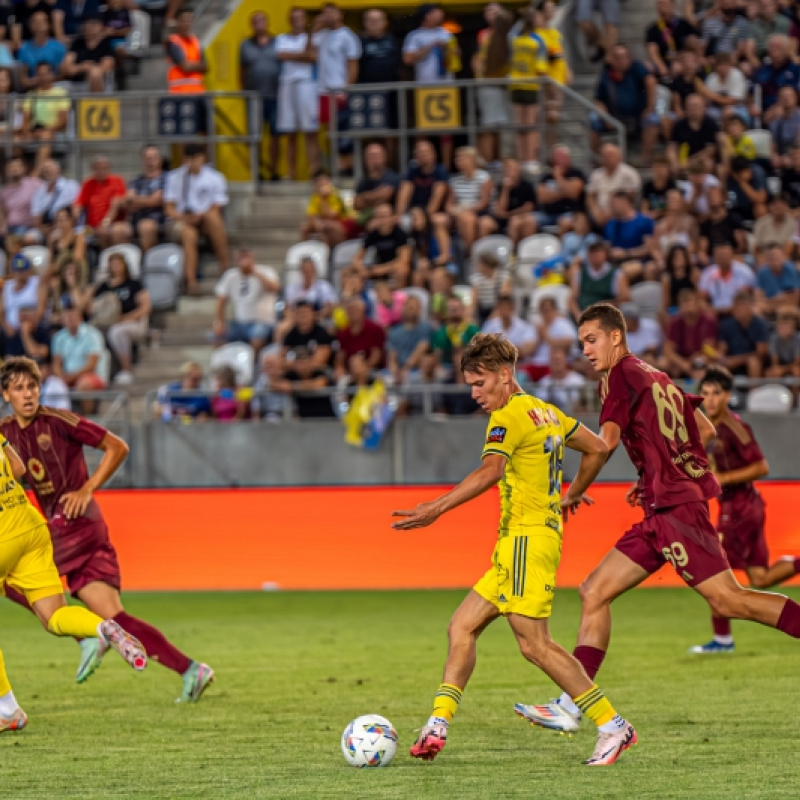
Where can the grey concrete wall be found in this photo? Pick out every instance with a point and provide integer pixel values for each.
(415, 451)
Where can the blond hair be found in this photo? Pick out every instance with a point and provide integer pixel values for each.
(488, 352)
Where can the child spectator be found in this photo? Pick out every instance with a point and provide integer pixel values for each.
(784, 347)
(230, 404)
(327, 215)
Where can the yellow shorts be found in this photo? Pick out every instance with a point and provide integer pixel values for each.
(26, 564)
(522, 579)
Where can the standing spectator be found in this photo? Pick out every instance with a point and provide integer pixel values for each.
(312, 289)
(515, 201)
(490, 282)
(90, 60)
(612, 176)
(338, 51)
(246, 287)
(361, 337)
(298, 110)
(779, 70)
(469, 197)
(407, 344)
(768, 23)
(553, 332)
(743, 338)
(725, 278)
(259, 69)
(16, 199)
(784, 347)
(725, 31)
(691, 337)
(629, 232)
(80, 357)
(44, 112)
(101, 199)
(187, 67)
(693, 136)
(560, 194)
(391, 248)
(425, 183)
(22, 291)
(627, 91)
(666, 37)
(725, 89)
(327, 215)
(134, 310)
(604, 42)
(308, 335)
(56, 192)
(644, 335)
(433, 52)
(784, 127)
(40, 48)
(596, 280)
(778, 226)
(777, 282)
(378, 186)
(194, 199)
(561, 386)
(145, 198)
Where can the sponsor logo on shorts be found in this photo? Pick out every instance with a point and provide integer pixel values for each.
(553, 522)
(496, 436)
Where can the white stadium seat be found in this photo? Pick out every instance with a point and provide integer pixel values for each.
(160, 284)
(319, 251)
(167, 257)
(132, 255)
(39, 257)
(237, 355)
(648, 298)
(772, 398)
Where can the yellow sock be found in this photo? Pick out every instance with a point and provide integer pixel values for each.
(594, 704)
(445, 704)
(74, 621)
(5, 686)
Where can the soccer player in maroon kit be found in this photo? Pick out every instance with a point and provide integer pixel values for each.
(50, 443)
(663, 431)
(737, 461)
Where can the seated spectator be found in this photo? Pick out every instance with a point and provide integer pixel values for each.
(691, 343)
(425, 183)
(101, 200)
(734, 142)
(45, 111)
(612, 176)
(269, 402)
(679, 274)
(784, 127)
(145, 199)
(32, 339)
(554, 331)
(252, 290)
(778, 226)
(431, 245)
(408, 343)
(307, 334)
(69, 14)
(725, 89)
(722, 225)
(724, 31)
(54, 392)
(629, 232)
(654, 191)
(560, 194)
(390, 247)
(42, 48)
(378, 186)
(515, 202)
(23, 14)
(490, 282)
(469, 197)
(21, 291)
(327, 215)
(16, 200)
(747, 189)
(194, 199)
(693, 136)
(312, 289)
(688, 79)
(777, 281)
(68, 243)
(361, 336)
(743, 338)
(388, 306)
(790, 178)
(766, 24)
(229, 403)
(55, 192)
(80, 357)
(644, 335)
(130, 315)
(354, 284)
(449, 340)
(89, 64)
(677, 227)
(595, 279)
(701, 181)
(784, 347)
(561, 386)
(779, 70)
(725, 278)
(668, 36)
(627, 91)
(303, 379)
(10, 115)
(519, 332)
(186, 397)
(117, 27)
(66, 283)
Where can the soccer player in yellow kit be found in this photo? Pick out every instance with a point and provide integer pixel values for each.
(26, 564)
(524, 449)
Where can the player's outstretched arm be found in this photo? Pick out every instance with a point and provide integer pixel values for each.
(477, 482)
(594, 454)
(17, 464)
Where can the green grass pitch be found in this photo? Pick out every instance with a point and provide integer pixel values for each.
(293, 669)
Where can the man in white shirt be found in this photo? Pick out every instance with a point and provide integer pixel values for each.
(644, 335)
(194, 198)
(612, 176)
(724, 279)
(252, 290)
(312, 289)
(56, 192)
(298, 110)
(561, 386)
(725, 88)
(553, 331)
(520, 333)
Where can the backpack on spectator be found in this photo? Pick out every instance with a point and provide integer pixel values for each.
(106, 310)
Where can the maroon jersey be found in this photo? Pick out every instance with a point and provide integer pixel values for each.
(734, 447)
(51, 447)
(659, 431)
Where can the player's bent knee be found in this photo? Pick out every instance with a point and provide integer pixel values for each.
(732, 605)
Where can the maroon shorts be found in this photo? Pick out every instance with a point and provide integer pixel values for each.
(741, 530)
(682, 536)
(99, 565)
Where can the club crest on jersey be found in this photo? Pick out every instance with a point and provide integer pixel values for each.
(496, 436)
(44, 441)
(36, 469)
(543, 416)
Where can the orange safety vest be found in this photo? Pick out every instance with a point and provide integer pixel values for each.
(178, 80)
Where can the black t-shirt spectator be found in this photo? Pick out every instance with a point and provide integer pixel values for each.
(117, 20)
(790, 182)
(696, 140)
(679, 30)
(310, 405)
(683, 88)
(13, 346)
(5, 19)
(94, 55)
(23, 13)
(388, 178)
(125, 291)
(657, 198)
(723, 230)
(380, 60)
(423, 183)
(565, 205)
(295, 339)
(520, 194)
(386, 245)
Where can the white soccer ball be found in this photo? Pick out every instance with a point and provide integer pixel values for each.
(369, 741)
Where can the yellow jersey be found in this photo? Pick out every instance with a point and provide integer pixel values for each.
(556, 60)
(531, 434)
(17, 514)
(528, 59)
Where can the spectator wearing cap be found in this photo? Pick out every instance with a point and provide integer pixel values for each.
(725, 89)
(16, 199)
(22, 291)
(777, 227)
(613, 175)
(644, 335)
(595, 279)
(725, 278)
(54, 193)
(80, 357)
(194, 199)
(744, 338)
(667, 37)
(100, 201)
(777, 71)
(252, 291)
(747, 189)
(90, 60)
(378, 186)
(145, 198)
(784, 127)
(691, 341)
(777, 281)
(40, 48)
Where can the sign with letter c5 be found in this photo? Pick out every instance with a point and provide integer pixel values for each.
(98, 119)
(438, 107)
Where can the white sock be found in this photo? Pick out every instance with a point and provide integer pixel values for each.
(8, 704)
(723, 639)
(614, 726)
(565, 701)
(437, 721)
